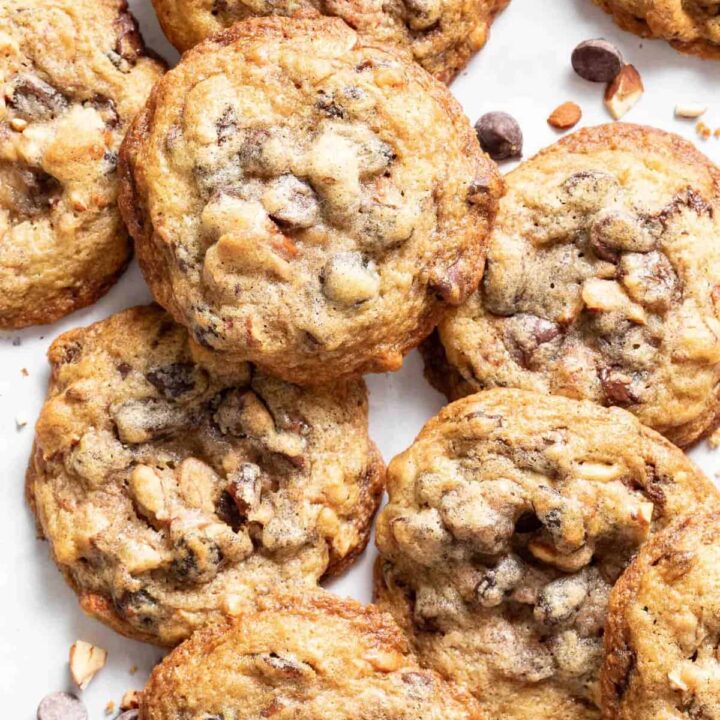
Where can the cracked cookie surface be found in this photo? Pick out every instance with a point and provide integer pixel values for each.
(304, 201)
(690, 26)
(310, 657)
(602, 282)
(509, 520)
(663, 631)
(73, 74)
(170, 497)
(441, 35)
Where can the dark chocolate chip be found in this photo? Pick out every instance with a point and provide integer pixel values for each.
(61, 706)
(499, 135)
(173, 380)
(597, 60)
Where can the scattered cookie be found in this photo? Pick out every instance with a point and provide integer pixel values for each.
(74, 73)
(690, 26)
(509, 520)
(602, 282)
(305, 201)
(310, 657)
(441, 35)
(171, 498)
(661, 657)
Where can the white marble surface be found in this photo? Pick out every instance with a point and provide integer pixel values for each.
(524, 70)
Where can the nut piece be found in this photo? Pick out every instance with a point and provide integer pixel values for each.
(130, 700)
(624, 91)
(565, 116)
(499, 135)
(597, 60)
(85, 661)
(690, 110)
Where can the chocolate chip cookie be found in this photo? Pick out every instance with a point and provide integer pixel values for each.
(305, 201)
(171, 497)
(602, 283)
(441, 35)
(510, 519)
(307, 658)
(691, 26)
(663, 628)
(73, 75)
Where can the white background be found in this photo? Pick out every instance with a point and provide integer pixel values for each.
(525, 70)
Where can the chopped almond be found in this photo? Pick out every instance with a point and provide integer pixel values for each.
(86, 661)
(624, 92)
(565, 116)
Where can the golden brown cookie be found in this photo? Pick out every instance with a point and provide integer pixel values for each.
(441, 35)
(308, 657)
(171, 497)
(510, 518)
(73, 73)
(602, 282)
(305, 201)
(691, 26)
(663, 629)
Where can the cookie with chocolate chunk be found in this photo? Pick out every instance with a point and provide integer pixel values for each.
(663, 629)
(690, 26)
(305, 201)
(510, 519)
(307, 657)
(171, 497)
(73, 75)
(602, 282)
(441, 35)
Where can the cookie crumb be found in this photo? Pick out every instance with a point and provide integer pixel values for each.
(20, 421)
(130, 700)
(24, 372)
(133, 669)
(110, 707)
(703, 130)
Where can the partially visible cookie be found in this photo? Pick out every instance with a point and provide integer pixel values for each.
(441, 35)
(663, 629)
(305, 201)
(509, 520)
(309, 657)
(691, 26)
(73, 73)
(602, 283)
(170, 497)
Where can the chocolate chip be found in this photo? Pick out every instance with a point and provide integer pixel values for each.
(597, 60)
(173, 380)
(617, 387)
(34, 99)
(129, 43)
(61, 706)
(499, 135)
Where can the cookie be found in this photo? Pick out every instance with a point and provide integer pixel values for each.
(663, 626)
(307, 657)
(691, 26)
(304, 201)
(602, 283)
(73, 75)
(171, 497)
(441, 35)
(510, 518)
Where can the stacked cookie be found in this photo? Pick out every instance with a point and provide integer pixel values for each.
(308, 205)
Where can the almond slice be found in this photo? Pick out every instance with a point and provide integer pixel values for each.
(86, 660)
(624, 91)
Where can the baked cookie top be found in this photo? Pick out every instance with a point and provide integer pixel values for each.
(306, 658)
(441, 35)
(304, 201)
(171, 497)
(661, 641)
(691, 26)
(510, 518)
(602, 282)
(73, 73)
